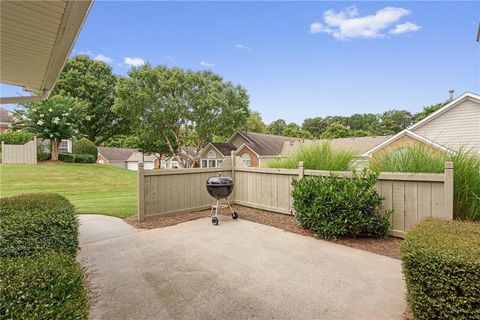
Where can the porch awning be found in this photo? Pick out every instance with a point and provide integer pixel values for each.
(36, 40)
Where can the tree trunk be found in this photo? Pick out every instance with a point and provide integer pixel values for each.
(54, 143)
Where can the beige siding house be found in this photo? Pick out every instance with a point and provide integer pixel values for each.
(452, 127)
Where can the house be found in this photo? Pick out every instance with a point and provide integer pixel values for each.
(255, 149)
(452, 127)
(150, 161)
(6, 119)
(188, 155)
(114, 156)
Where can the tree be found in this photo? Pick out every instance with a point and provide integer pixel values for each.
(394, 121)
(94, 83)
(54, 119)
(180, 106)
(277, 127)
(336, 130)
(255, 123)
(316, 126)
(427, 110)
(364, 122)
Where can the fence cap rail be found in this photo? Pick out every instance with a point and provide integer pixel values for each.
(293, 172)
(167, 172)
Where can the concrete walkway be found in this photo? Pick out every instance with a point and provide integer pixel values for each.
(237, 270)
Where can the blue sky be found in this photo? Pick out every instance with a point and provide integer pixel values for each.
(301, 59)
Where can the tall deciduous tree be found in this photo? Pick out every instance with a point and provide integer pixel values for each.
(255, 123)
(427, 110)
(336, 130)
(277, 127)
(181, 105)
(94, 83)
(394, 121)
(54, 119)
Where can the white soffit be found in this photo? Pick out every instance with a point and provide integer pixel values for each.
(36, 40)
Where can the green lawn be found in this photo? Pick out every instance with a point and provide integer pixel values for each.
(92, 188)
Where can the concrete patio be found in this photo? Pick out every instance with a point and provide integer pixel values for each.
(237, 270)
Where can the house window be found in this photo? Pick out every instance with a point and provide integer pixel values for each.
(219, 162)
(246, 159)
(212, 163)
(204, 163)
(211, 154)
(63, 147)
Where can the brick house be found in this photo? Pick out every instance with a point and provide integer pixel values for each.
(255, 149)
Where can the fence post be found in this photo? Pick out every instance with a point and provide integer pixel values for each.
(301, 170)
(141, 193)
(232, 163)
(35, 161)
(448, 189)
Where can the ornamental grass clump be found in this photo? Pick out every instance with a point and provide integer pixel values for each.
(334, 206)
(316, 156)
(420, 159)
(441, 266)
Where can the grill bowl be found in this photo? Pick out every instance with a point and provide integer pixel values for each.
(220, 187)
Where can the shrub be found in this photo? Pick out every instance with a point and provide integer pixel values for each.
(85, 158)
(422, 159)
(335, 206)
(15, 137)
(43, 156)
(46, 286)
(316, 156)
(441, 265)
(85, 146)
(66, 157)
(37, 222)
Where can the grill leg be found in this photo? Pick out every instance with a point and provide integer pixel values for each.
(228, 202)
(216, 209)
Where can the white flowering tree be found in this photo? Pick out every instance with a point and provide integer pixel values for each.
(54, 119)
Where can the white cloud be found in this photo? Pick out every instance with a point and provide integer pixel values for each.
(101, 57)
(134, 62)
(206, 64)
(405, 27)
(85, 53)
(242, 46)
(349, 24)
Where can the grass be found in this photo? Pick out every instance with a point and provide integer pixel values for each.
(316, 156)
(420, 159)
(92, 188)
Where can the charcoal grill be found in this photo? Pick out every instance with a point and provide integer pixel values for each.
(220, 188)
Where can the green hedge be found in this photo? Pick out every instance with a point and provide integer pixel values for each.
(15, 137)
(85, 158)
(47, 286)
(335, 206)
(43, 156)
(66, 157)
(441, 265)
(85, 146)
(37, 222)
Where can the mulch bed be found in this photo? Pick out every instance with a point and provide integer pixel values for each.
(389, 246)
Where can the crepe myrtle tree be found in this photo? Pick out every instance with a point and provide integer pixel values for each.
(182, 107)
(54, 119)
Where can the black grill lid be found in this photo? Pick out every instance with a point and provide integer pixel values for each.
(219, 181)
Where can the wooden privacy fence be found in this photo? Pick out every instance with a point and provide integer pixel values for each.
(412, 196)
(22, 153)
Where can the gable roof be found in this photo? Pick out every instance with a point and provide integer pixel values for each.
(357, 144)
(138, 156)
(445, 108)
(225, 148)
(116, 154)
(265, 144)
(409, 132)
(4, 116)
